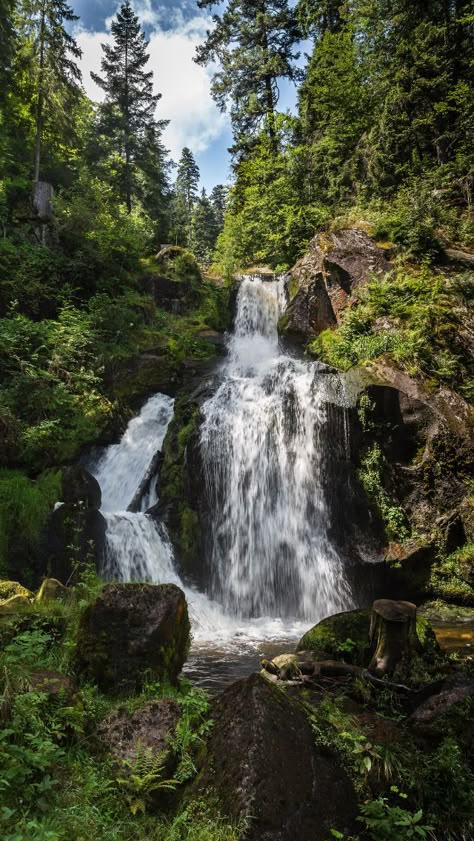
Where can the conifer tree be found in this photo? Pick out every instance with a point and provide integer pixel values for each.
(204, 228)
(218, 198)
(129, 108)
(187, 180)
(53, 53)
(252, 42)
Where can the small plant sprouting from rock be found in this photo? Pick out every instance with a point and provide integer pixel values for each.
(370, 474)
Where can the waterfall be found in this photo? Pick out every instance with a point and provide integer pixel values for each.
(263, 438)
(123, 466)
(263, 441)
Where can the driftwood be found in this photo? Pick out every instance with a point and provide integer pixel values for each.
(309, 672)
(393, 630)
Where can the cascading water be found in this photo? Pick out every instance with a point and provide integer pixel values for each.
(273, 566)
(262, 440)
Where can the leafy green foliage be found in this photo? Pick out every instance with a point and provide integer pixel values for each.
(420, 314)
(371, 475)
(25, 505)
(143, 777)
(384, 822)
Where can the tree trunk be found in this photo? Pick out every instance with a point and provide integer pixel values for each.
(40, 99)
(393, 629)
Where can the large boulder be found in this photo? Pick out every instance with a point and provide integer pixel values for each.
(73, 536)
(326, 279)
(132, 631)
(263, 764)
(344, 636)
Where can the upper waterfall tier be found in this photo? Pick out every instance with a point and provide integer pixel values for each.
(263, 437)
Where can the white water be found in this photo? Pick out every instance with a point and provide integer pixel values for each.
(262, 441)
(274, 570)
(124, 465)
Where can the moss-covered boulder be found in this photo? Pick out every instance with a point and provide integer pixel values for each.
(133, 631)
(268, 773)
(13, 588)
(13, 605)
(344, 636)
(126, 733)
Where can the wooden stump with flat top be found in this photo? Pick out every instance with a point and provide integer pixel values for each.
(393, 630)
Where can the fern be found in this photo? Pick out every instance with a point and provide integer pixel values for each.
(144, 778)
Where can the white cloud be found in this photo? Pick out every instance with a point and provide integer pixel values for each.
(185, 87)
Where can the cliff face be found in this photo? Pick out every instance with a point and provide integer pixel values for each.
(405, 332)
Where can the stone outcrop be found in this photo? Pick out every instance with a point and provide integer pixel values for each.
(75, 531)
(125, 733)
(266, 770)
(132, 631)
(326, 279)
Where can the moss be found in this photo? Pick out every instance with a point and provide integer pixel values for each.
(25, 505)
(13, 588)
(451, 577)
(344, 635)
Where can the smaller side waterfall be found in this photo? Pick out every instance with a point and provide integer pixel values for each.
(123, 465)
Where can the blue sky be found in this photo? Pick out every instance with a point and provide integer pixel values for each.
(174, 30)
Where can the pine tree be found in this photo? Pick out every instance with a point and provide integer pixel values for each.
(204, 229)
(187, 180)
(53, 52)
(252, 42)
(219, 197)
(129, 108)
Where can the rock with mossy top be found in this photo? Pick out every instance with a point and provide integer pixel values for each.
(132, 632)
(13, 588)
(346, 636)
(264, 766)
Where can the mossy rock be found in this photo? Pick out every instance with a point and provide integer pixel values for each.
(342, 636)
(14, 604)
(13, 588)
(132, 631)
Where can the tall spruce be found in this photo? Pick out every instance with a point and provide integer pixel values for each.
(130, 104)
(52, 54)
(187, 179)
(253, 43)
(219, 197)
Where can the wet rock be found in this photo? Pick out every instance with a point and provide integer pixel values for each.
(125, 733)
(344, 636)
(168, 294)
(52, 590)
(79, 487)
(310, 311)
(133, 630)
(264, 766)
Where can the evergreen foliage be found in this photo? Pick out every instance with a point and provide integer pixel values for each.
(254, 45)
(127, 116)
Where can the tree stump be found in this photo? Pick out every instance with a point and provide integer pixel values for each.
(393, 630)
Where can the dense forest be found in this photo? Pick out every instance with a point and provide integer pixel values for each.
(118, 279)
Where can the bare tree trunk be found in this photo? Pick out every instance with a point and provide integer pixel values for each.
(393, 628)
